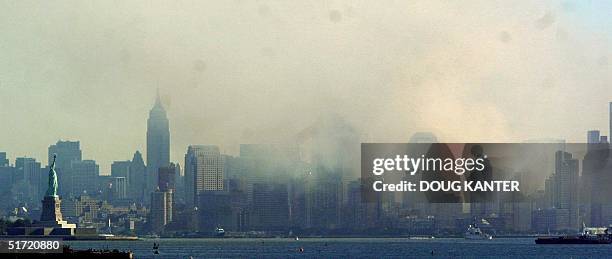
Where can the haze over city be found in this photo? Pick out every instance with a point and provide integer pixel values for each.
(236, 72)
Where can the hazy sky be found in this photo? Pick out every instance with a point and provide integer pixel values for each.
(243, 71)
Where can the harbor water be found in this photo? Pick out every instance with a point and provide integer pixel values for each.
(347, 247)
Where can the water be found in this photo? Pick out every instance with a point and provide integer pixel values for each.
(348, 247)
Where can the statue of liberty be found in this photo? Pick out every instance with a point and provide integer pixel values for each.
(51, 214)
(52, 189)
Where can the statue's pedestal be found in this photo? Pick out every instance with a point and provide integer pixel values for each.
(51, 209)
(51, 218)
(50, 224)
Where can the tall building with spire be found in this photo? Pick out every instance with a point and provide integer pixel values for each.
(158, 143)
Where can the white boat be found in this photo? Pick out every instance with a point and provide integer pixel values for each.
(474, 233)
(421, 237)
(219, 232)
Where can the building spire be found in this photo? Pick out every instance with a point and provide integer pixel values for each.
(157, 98)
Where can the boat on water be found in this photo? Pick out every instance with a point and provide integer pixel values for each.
(474, 233)
(587, 236)
(219, 232)
(155, 248)
(421, 237)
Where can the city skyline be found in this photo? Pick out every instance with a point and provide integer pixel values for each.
(273, 188)
(587, 138)
(468, 72)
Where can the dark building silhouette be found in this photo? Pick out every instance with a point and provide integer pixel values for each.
(84, 178)
(592, 138)
(596, 182)
(215, 210)
(3, 160)
(121, 168)
(161, 209)
(167, 178)
(270, 207)
(28, 173)
(565, 191)
(158, 143)
(6, 175)
(137, 178)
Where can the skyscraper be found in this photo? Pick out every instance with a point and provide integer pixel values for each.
(161, 209)
(167, 177)
(84, 177)
(166, 185)
(67, 152)
(3, 160)
(158, 143)
(28, 170)
(121, 169)
(6, 173)
(120, 187)
(137, 178)
(270, 206)
(203, 171)
(190, 171)
(565, 192)
(593, 137)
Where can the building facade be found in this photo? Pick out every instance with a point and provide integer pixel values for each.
(204, 168)
(158, 143)
(67, 152)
